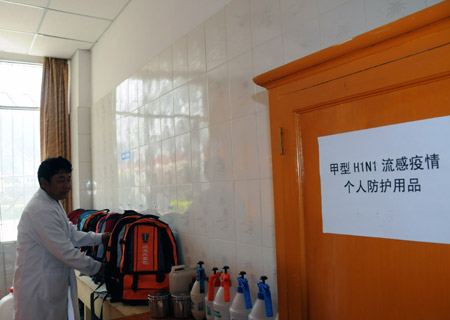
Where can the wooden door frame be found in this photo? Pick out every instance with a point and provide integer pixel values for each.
(429, 28)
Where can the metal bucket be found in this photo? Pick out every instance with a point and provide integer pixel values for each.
(159, 304)
(181, 304)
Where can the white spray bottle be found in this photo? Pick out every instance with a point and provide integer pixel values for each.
(224, 296)
(262, 309)
(242, 303)
(213, 287)
(198, 293)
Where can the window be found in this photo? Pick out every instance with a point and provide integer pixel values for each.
(20, 90)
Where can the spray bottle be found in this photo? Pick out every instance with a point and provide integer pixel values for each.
(263, 306)
(198, 293)
(213, 287)
(224, 296)
(242, 302)
(7, 306)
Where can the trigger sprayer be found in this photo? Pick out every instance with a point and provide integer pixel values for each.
(263, 306)
(198, 293)
(242, 302)
(224, 296)
(213, 287)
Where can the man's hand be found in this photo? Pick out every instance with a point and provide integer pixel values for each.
(105, 238)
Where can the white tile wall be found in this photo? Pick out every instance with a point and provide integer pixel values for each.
(265, 16)
(385, 11)
(247, 210)
(239, 37)
(202, 209)
(183, 159)
(181, 110)
(301, 41)
(196, 52)
(242, 88)
(216, 40)
(245, 148)
(187, 136)
(180, 62)
(343, 23)
(218, 95)
(200, 150)
(198, 100)
(165, 68)
(221, 161)
(223, 211)
(268, 55)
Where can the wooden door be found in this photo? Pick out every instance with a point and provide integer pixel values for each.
(396, 74)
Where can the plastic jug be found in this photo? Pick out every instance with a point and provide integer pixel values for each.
(213, 287)
(224, 296)
(180, 277)
(263, 306)
(242, 303)
(7, 306)
(198, 293)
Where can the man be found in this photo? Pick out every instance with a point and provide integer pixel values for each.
(44, 279)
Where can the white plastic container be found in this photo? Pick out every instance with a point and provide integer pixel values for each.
(242, 304)
(224, 296)
(7, 306)
(213, 287)
(180, 277)
(262, 309)
(198, 293)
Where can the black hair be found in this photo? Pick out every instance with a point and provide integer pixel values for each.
(52, 166)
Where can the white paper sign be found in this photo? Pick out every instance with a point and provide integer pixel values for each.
(388, 182)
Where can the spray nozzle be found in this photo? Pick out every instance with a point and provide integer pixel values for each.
(241, 281)
(214, 281)
(245, 289)
(264, 294)
(201, 276)
(226, 283)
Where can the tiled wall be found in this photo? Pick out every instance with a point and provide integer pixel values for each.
(187, 135)
(81, 157)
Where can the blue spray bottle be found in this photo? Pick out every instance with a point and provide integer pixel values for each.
(263, 306)
(198, 293)
(242, 303)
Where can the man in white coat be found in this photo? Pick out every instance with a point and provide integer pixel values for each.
(45, 286)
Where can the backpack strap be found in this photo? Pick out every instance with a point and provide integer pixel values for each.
(103, 293)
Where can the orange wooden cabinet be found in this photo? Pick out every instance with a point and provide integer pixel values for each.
(394, 74)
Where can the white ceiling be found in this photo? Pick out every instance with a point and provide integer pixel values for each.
(55, 28)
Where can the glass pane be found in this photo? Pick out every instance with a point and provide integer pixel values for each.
(19, 142)
(20, 84)
(6, 136)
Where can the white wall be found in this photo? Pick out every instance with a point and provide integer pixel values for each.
(144, 29)
(80, 129)
(185, 133)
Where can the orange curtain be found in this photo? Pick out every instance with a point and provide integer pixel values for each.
(54, 115)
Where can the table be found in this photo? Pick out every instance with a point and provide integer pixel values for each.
(116, 310)
(146, 316)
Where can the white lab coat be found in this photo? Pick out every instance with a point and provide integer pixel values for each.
(46, 257)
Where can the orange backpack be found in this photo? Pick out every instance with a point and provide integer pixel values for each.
(140, 254)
